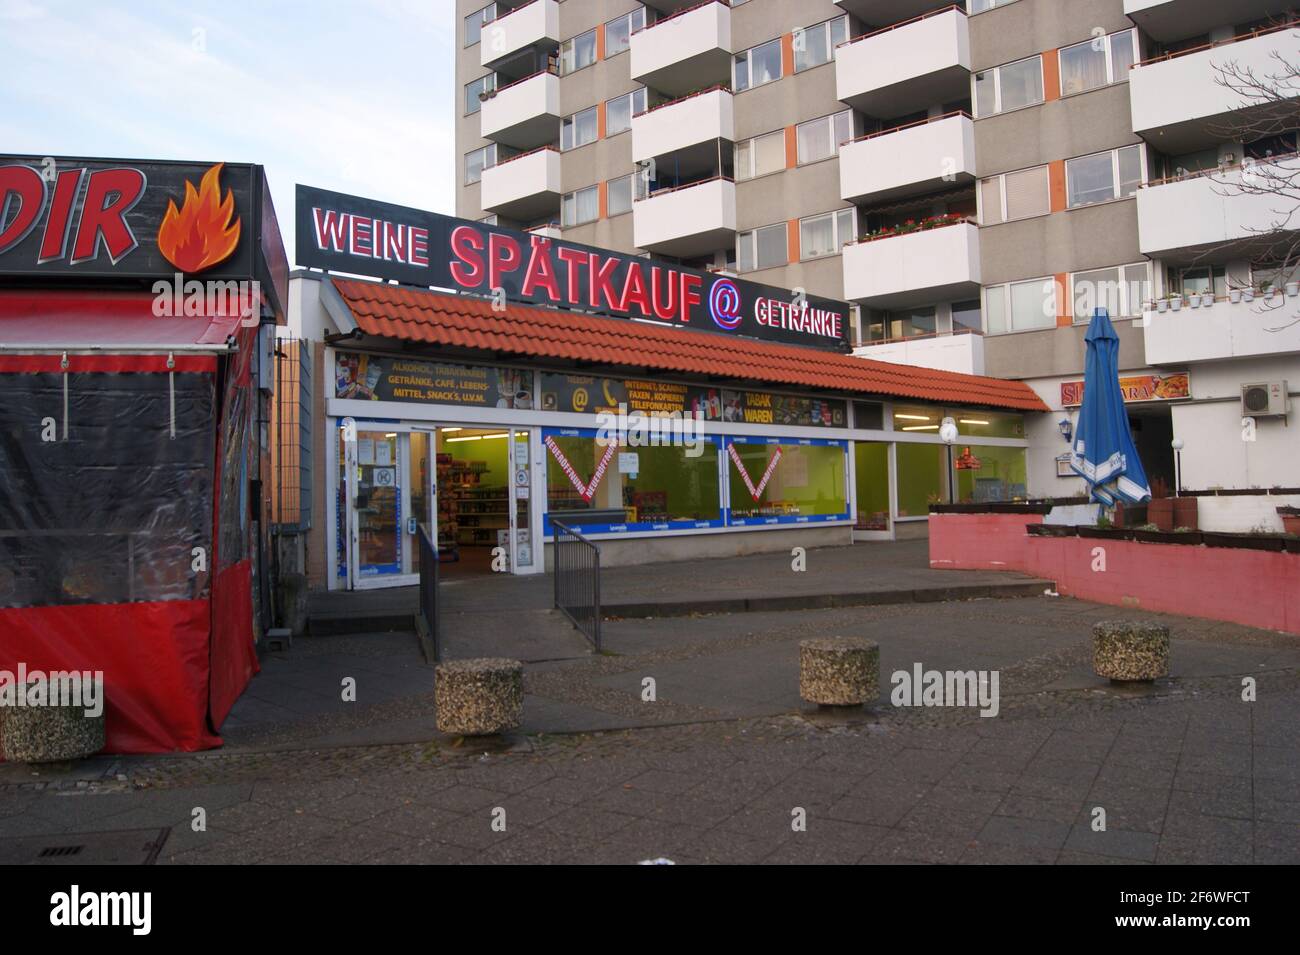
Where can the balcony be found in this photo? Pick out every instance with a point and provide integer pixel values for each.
(686, 51)
(884, 12)
(1225, 329)
(907, 67)
(1178, 219)
(525, 114)
(531, 26)
(1169, 20)
(696, 120)
(909, 160)
(525, 187)
(686, 220)
(1177, 99)
(914, 268)
(962, 353)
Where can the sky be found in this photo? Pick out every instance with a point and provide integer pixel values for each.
(351, 95)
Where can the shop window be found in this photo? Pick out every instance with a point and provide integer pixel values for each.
(987, 424)
(760, 155)
(782, 482)
(618, 32)
(475, 21)
(1120, 290)
(1096, 62)
(922, 477)
(763, 248)
(815, 45)
(577, 52)
(1020, 306)
(756, 67)
(605, 487)
(820, 138)
(871, 479)
(620, 110)
(580, 206)
(579, 129)
(868, 414)
(1114, 174)
(984, 473)
(484, 84)
(1008, 87)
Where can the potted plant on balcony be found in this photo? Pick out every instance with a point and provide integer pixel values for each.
(1207, 299)
(1293, 289)
(1248, 294)
(1162, 304)
(1234, 295)
(1290, 518)
(1176, 302)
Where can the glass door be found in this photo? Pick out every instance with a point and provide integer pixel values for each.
(521, 540)
(423, 494)
(871, 490)
(375, 489)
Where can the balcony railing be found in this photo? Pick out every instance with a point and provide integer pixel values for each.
(1260, 31)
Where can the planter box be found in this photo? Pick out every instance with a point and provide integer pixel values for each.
(1167, 537)
(1160, 512)
(1052, 530)
(1185, 512)
(1107, 533)
(1243, 541)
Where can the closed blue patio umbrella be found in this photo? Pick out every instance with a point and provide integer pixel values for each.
(1104, 454)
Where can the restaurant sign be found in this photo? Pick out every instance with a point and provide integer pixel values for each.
(590, 394)
(70, 218)
(365, 237)
(1135, 388)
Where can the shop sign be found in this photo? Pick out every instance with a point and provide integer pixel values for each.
(390, 378)
(63, 217)
(593, 395)
(366, 237)
(1135, 388)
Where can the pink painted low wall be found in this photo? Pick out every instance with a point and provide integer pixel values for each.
(1252, 587)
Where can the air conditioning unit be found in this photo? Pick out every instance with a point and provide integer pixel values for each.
(1263, 399)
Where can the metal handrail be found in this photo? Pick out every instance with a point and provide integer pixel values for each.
(912, 125)
(1262, 31)
(903, 23)
(576, 567)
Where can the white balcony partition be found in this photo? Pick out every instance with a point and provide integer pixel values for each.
(523, 187)
(685, 52)
(915, 268)
(688, 220)
(686, 122)
(525, 114)
(920, 158)
(907, 67)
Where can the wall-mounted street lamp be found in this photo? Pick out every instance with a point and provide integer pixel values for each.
(1067, 429)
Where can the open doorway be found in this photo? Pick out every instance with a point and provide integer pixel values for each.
(1153, 432)
(481, 474)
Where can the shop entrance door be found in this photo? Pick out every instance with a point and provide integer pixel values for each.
(375, 543)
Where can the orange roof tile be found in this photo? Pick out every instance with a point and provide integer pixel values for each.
(419, 315)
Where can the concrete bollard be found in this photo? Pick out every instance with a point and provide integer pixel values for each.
(1126, 650)
(839, 671)
(50, 733)
(479, 697)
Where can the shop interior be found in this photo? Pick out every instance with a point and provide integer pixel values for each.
(474, 468)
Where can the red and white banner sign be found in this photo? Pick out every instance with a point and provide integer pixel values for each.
(586, 490)
(756, 492)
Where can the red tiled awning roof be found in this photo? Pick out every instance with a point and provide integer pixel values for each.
(419, 315)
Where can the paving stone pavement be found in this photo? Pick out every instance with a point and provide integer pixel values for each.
(1185, 770)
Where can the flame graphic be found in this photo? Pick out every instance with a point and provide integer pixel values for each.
(200, 234)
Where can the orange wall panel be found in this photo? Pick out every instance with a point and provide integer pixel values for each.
(602, 199)
(791, 148)
(787, 54)
(1051, 75)
(600, 120)
(600, 42)
(1064, 307)
(1056, 184)
(792, 240)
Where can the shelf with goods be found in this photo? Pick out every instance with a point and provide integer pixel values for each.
(470, 512)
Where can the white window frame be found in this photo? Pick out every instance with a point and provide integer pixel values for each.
(1114, 175)
(564, 200)
(750, 236)
(837, 241)
(992, 5)
(489, 160)
(997, 87)
(482, 23)
(1125, 304)
(1111, 78)
(640, 189)
(571, 121)
(750, 174)
(1002, 195)
(572, 43)
(489, 84)
(1004, 289)
(632, 110)
(632, 27)
(749, 66)
(825, 29)
(830, 132)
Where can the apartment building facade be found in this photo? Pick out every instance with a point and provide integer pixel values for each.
(974, 177)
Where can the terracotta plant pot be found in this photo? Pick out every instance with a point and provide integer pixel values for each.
(1160, 512)
(1290, 523)
(1186, 513)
